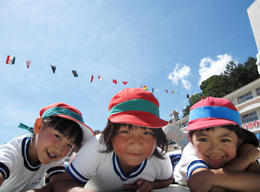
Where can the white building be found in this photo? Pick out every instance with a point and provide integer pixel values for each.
(253, 12)
(247, 101)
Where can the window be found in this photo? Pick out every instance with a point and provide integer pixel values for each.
(249, 117)
(258, 91)
(245, 97)
(184, 124)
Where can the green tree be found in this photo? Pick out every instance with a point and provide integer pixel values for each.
(215, 86)
(192, 100)
(234, 77)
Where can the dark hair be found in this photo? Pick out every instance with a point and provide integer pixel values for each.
(241, 133)
(66, 127)
(111, 131)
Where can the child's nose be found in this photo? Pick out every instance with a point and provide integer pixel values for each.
(214, 146)
(59, 148)
(136, 141)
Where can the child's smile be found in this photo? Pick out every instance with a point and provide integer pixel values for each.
(133, 146)
(51, 145)
(217, 146)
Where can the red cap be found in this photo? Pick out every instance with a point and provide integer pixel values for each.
(68, 112)
(135, 106)
(212, 112)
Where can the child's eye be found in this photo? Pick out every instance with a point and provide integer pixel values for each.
(148, 133)
(70, 146)
(58, 137)
(203, 140)
(124, 131)
(224, 140)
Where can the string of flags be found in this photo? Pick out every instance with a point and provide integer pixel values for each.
(11, 61)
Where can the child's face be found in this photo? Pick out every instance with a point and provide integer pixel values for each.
(51, 145)
(216, 147)
(133, 146)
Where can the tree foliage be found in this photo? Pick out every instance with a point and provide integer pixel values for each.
(233, 77)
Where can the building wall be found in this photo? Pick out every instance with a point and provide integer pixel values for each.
(254, 16)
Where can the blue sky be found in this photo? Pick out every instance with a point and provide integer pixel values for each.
(166, 44)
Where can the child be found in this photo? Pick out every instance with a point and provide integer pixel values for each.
(221, 155)
(128, 154)
(25, 160)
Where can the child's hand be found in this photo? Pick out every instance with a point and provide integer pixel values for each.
(249, 151)
(139, 186)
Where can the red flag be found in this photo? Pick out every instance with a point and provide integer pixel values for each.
(92, 77)
(124, 82)
(28, 62)
(202, 97)
(99, 78)
(166, 90)
(115, 81)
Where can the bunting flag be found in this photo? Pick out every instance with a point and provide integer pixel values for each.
(53, 68)
(115, 81)
(10, 60)
(202, 97)
(28, 62)
(74, 72)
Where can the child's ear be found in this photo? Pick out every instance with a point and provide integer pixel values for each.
(240, 141)
(37, 125)
(187, 135)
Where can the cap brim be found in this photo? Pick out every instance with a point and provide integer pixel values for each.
(203, 123)
(87, 131)
(142, 119)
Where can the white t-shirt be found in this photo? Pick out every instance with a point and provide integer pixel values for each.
(187, 164)
(19, 174)
(103, 172)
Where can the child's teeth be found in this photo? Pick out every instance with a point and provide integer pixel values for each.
(50, 153)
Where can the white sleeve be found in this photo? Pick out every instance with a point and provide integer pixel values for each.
(180, 171)
(166, 171)
(9, 157)
(58, 167)
(84, 165)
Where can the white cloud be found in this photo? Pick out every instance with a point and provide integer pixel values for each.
(209, 67)
(180, 74)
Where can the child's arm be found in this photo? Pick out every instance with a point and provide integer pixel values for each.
(240, 181)
(142, 185)
(1, 179)
(247, 154)
(67, 184)
(244, 162)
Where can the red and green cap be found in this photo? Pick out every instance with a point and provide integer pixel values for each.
(66, 111)
(213, 112)
(135, 106)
